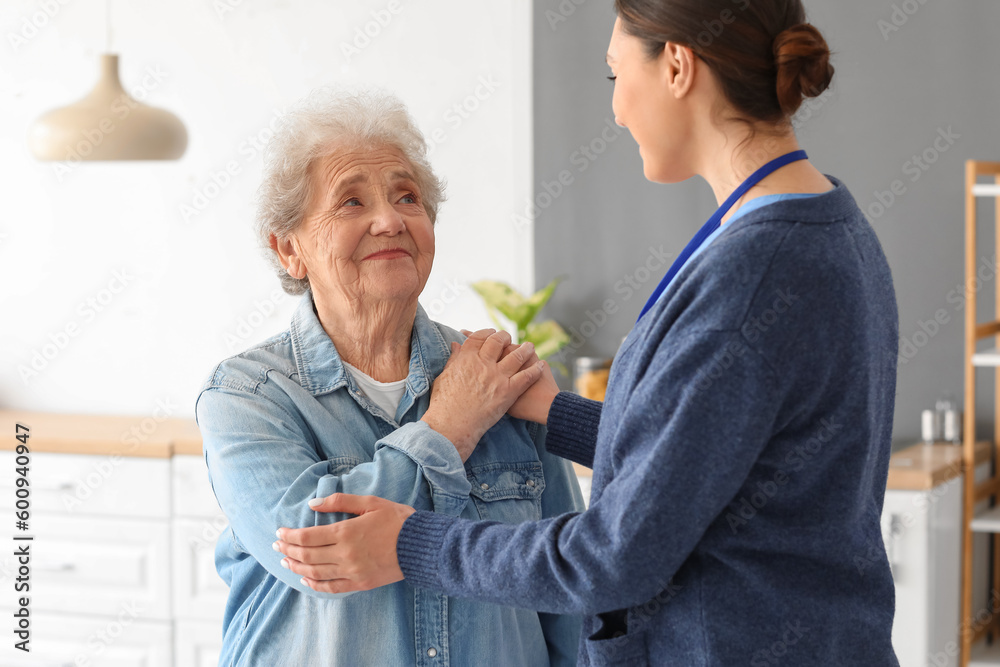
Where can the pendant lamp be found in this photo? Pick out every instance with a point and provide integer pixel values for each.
(108, 124)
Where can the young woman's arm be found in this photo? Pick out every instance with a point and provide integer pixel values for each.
(561, 495)
(572, 427)
(682, 451)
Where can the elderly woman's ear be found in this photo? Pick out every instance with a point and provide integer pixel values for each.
(288, 253)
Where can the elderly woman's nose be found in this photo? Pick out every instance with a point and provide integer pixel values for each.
(387, 219)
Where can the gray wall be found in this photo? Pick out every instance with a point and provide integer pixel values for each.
(891, 95)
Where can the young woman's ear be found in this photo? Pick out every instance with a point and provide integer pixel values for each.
(677, 64)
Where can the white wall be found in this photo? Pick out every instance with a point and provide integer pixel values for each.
(226, 68)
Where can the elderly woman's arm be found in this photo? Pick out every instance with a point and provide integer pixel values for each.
(264, 468)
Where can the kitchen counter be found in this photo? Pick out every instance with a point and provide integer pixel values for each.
(123, 435)
(926, 466)
(138, 435)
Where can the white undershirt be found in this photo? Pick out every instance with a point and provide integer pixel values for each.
(386, 395)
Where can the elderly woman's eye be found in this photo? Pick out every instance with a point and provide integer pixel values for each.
(352, 202)
(412, 199)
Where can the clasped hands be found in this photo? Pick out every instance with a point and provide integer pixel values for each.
(485, 377)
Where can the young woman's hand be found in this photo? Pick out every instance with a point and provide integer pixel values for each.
(478, 385)
(352, 555)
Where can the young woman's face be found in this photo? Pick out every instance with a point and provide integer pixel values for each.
(644, 102)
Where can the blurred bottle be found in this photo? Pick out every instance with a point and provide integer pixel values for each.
(942, 406)
(952, 428)
(928, 427)
(946, 426)
(590, 377)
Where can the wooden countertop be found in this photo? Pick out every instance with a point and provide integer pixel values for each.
(923, 466)
(138, 435)
(124, 435)
(917, 467)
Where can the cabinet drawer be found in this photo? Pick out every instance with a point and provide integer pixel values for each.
(192, 492)
(199, 591)
(97, 565)
(88, 484)
(66, 640)
(197, 643)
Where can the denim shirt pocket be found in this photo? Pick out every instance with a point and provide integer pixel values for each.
(508, 491)
(241, 624)
(340, 465)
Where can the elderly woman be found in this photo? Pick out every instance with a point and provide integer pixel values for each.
(342, 401)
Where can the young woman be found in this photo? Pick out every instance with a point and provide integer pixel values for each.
(740, 456)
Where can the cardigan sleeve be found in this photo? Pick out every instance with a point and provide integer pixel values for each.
(682, 451)
(572, 427)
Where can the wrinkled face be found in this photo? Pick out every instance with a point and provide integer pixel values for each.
(644, 103)
(366, 237)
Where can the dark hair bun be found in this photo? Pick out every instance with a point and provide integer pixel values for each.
(803, 61)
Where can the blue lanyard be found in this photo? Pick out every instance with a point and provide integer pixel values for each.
(714, 222)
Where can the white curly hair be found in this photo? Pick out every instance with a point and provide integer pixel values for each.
(325, 121)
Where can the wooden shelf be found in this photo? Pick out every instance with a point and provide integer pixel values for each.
(985, 655)
(978, 653)
(986, 190)
(987, 521)
(986, 358)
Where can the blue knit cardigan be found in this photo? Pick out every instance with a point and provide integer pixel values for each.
(740, 461)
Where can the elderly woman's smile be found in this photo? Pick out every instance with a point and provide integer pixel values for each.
(389, 253)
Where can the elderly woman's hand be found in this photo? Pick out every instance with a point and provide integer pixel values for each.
(478, 385)
(533, 404)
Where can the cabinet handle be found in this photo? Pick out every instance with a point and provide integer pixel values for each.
(895, 530)
(55, 567)
(62, 486)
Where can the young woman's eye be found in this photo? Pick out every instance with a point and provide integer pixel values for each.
(612, 78)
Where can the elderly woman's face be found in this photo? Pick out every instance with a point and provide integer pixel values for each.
(366, 234)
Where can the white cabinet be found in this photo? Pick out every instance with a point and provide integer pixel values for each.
(922, 530)
(100, 565)
(122, 558)
(76, 640)
(199, 593)
(197, 644)
(93, 485)
(99, 561)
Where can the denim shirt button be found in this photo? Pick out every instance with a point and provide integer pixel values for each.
(432, 651)
(482, 486)
(530, 482)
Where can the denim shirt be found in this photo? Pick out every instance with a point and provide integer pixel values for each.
(284, 422)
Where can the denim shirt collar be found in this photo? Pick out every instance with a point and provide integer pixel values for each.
(319, 366)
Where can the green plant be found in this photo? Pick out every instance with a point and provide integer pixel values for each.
(502, 299)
